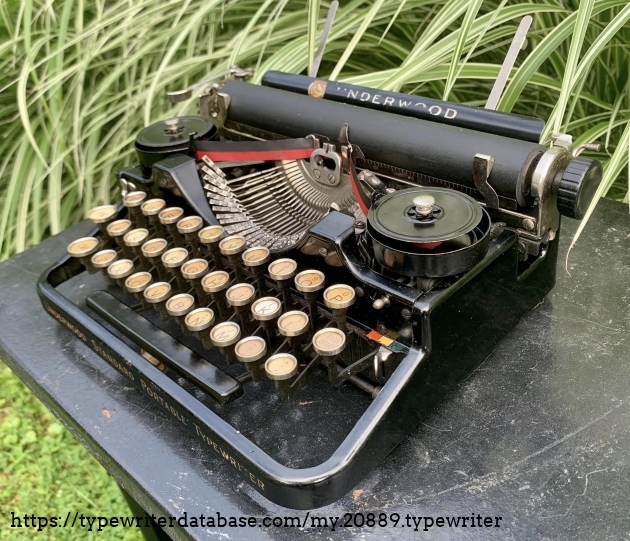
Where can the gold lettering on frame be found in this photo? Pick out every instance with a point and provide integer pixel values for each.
(228, 458)
(152, 393)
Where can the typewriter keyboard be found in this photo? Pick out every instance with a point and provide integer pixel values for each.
(273, 318)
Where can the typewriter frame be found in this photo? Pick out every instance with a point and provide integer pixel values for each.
(455, 329)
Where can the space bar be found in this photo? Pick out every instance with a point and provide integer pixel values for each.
(220, 385)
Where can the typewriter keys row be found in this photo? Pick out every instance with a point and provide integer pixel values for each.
(192, 288)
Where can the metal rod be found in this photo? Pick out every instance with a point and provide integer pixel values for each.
(518, 43)
(324, 38)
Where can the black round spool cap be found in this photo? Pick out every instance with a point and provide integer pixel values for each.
(577, 186)
(455, 215)
(400, 239)
(157, 141)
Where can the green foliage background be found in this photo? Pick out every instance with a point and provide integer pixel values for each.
(44, 471)
(79, 78)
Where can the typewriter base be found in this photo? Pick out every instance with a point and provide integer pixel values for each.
(459, 327)
(517, 438)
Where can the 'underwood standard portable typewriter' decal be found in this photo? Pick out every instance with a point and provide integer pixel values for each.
(289, 267)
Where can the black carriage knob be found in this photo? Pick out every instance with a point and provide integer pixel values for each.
(577, 186)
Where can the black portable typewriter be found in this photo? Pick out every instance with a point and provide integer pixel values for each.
(313, 262)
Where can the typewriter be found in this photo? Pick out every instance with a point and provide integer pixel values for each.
(312, 265)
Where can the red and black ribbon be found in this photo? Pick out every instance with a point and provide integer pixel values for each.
(282, 149)
(243, 151)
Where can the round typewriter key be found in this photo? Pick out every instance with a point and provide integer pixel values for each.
(293, 323)
(172, 260)
(136, 237)
(198, 321)
(102, 214)
(193, 271)
(255, 259)
(266, 309)
(103, 259)
(329, 342)
(137, 283)
(152, 250)
(180, 305)
(211, 236)
(188, 227)
(169, 218)
(310, 282)
(281, 367)
(240, 294)
(256, 256)
(117, 230)
(282, 271)
(190, 224)
(232, 247)
(157, 294)
(225, 335)
(83, 249)
(171, 215)
(250, 349)
(151, 208)
(134, 240)
(251, 352)
(338, 298)
(215, 283)
(133, 201)
(119, 270)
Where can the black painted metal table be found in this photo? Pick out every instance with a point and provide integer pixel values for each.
(539, 434)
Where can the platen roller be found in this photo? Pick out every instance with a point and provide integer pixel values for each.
(437, 150)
